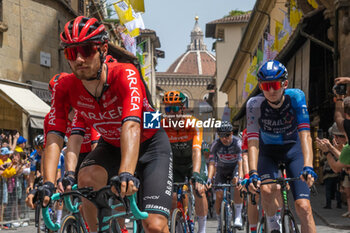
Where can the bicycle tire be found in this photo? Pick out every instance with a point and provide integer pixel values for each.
(70, 225)
(245, 221)
(178, 224)
(114, 226)
(230, 209)
(38, 218)
(262, 225)
(289, 225)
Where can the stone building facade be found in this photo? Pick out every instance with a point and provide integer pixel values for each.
(191, 74)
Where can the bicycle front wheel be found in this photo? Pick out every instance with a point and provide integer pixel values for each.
(289, 225)
(178, 224)
(70, 225)
(226, 218)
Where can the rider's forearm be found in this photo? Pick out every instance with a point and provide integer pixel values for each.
(240, 169)
(196, 159)
(211, 170)
(129, 145)
(253, 151)
(306, 147)
(31, 180)
(53, 147)
(72, 154)
(245, 163)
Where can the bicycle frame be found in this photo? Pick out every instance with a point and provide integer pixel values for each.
(98, 198)
(283, 182)
(179, 205)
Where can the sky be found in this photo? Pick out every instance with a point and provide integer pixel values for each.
(173, 22)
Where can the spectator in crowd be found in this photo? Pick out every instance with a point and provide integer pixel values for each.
(331, 179)
(21, 144)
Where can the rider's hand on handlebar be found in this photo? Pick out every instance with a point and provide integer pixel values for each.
(253, 183)
(68, 180)
(128, 185)
(45, 193)
(308, 175)
(198, 182)
(209, 183)
(30, 198)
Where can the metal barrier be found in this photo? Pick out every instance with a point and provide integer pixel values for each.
(13, 210)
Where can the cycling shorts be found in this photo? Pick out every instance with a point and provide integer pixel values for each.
(292, 155)
(225, 174)
(81, 158)
(154, 169)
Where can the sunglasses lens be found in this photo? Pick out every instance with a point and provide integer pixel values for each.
(176, 108)
(172, 108)
(224, 135)
(266, 86)
(85, 50)
(70, 53)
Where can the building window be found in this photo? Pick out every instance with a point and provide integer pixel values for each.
(221, 34)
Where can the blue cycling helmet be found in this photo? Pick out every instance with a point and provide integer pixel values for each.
(272, 70)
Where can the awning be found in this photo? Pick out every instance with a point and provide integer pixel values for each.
(29, 102)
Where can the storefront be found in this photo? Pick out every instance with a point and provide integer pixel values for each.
(21, 110)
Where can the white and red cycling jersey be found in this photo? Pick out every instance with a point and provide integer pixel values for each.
(124, 98)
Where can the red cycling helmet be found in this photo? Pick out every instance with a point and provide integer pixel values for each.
(81, 30)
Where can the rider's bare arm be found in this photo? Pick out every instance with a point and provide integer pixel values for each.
(53, 147)
(306, 147)
(253, 152)
(211, 170)
(130, 144)
(73, 149)
(196, 159)
(245, 164)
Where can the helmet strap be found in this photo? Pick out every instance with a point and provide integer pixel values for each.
(102, 59)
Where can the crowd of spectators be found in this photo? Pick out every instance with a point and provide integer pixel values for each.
(336, 149)
(14, 172)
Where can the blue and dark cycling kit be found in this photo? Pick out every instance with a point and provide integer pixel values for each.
(226, 159)
(277, 131)
(35, 161)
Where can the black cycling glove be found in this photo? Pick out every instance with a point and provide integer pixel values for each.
(196, 178)
(126, 176)
(68, 179)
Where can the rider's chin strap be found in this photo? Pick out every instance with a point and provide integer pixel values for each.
(102, 59)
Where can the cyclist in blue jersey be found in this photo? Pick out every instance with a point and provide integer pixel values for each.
(279, 131)
(35, 162)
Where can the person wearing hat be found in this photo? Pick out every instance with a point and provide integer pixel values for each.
(21, 144)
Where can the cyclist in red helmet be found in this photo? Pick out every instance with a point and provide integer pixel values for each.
(112, 97)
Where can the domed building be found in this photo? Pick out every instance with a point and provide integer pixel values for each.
(191, 73)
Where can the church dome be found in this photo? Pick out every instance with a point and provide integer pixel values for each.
(197, 60)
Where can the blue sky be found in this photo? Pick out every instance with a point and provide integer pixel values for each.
(174, 20)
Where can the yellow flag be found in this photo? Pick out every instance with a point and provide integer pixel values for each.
(313, 3)
(295, 14)
(278, 29)
(138, 5)
(124, 11)
(135, 32)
